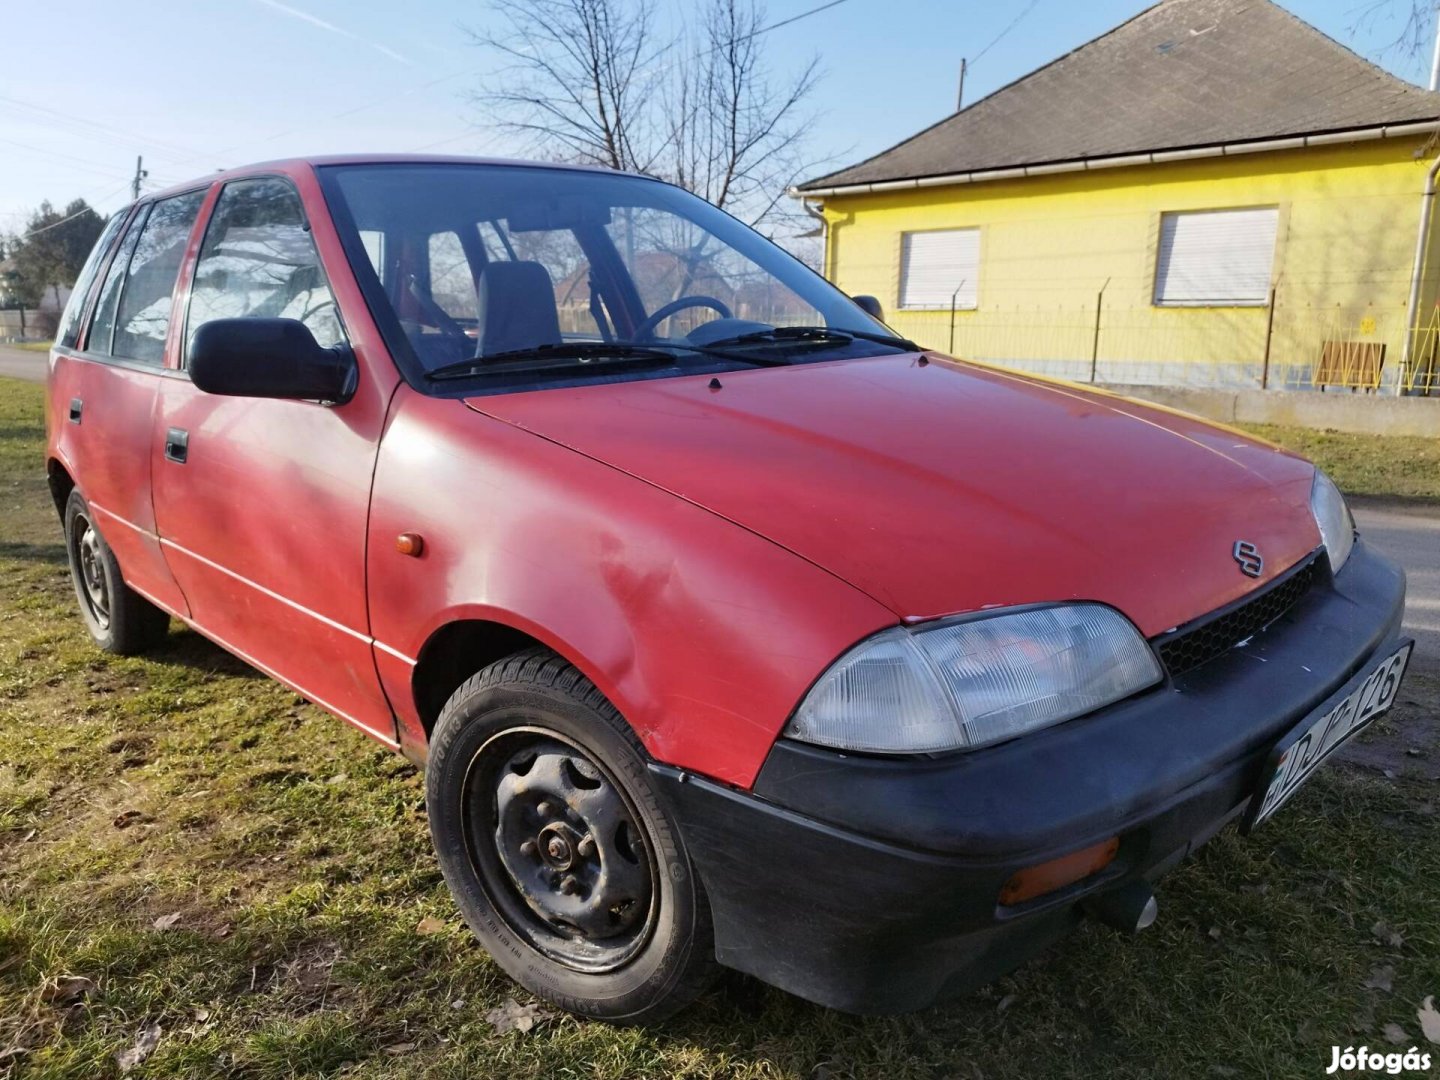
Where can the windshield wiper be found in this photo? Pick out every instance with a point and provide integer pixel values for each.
(564, 352)
(818, 335)
(658, 353)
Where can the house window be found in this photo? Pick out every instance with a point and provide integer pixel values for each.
(940, 268)
(1216, 258)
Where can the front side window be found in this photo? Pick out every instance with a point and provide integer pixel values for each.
(143, 317)
(258, 261)
(523, 277)
(68, 333)
(1216, 258)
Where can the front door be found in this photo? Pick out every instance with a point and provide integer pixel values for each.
(262, 504)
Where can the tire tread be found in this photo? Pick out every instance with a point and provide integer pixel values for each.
(542, 668)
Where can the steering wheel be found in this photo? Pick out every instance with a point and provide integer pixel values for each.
(646, 330)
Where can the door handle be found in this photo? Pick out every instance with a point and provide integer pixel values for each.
(76, 405)
(177, 445)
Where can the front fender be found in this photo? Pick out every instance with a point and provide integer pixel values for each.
(702, 634)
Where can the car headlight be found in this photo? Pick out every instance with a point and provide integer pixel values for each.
(1337, 526)
(968, 682)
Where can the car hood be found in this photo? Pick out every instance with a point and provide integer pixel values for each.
(939, 487)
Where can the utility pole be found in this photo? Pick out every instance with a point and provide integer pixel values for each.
(960, 93)
(140, 174)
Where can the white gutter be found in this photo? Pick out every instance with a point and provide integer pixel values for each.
(1156, 157)
(1422, 234)
(824, 236)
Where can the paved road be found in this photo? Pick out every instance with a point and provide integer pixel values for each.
(20, 364)
(1410, 536)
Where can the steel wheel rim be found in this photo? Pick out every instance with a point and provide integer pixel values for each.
(90, 566)
(560, 849)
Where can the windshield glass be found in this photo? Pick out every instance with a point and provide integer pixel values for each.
(532, 276)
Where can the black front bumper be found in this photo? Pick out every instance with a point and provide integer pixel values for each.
(871, 885)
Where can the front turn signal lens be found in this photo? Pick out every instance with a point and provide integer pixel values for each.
(1046, 877)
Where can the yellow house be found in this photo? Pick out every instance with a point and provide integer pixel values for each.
(1213, 193)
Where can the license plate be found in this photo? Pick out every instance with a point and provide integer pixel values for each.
(1305, 748)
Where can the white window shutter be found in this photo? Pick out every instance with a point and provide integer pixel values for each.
(1216, 257)
(934, 264)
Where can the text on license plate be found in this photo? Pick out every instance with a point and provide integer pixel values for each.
(1315, 742)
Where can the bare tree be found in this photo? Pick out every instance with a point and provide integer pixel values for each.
(735, 133)
(1411, 21)
(578, 77)
(592, 81)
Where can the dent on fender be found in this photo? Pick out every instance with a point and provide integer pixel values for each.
(702, 634)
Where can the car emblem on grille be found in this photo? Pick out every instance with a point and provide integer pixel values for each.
(1249, 557)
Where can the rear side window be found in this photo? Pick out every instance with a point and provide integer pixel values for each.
(69, 331)
(143, 317)
(259, 261)
(102, 327)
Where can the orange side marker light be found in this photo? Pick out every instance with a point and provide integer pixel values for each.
(1046, 877)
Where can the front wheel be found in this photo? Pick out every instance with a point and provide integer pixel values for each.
(557, 848)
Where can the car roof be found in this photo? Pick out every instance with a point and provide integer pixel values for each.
(318, 161)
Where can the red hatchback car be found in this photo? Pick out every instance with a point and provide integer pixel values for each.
(728, 626)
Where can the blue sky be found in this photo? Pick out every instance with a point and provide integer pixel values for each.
(197, 85)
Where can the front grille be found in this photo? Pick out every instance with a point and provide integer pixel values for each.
(1215, 634)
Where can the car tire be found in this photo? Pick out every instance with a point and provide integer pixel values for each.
(557, 848)
(119, 619)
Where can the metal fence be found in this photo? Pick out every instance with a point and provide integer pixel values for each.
(1268, 348)
(17, 325)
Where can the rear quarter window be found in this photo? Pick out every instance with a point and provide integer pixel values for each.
(68, 334)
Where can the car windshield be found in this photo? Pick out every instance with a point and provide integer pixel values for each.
(515, 276)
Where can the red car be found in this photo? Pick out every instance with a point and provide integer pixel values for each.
(729, 627)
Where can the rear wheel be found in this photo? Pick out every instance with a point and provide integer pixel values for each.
(557, 849)
(119, 619)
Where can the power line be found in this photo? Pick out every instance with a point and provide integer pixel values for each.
(468, 71)
(56, 224)
(998, 37)
(787, 22)
(105, 130)
(99, 168)
(170, 149)
(713, 49)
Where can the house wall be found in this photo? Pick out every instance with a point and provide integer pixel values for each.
(1345, 245)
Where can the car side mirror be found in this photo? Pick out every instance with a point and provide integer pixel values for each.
(269, 358)
(870, 306)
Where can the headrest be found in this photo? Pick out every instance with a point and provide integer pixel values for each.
(516, 307)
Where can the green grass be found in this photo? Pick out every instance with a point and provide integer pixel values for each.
(295, 853)
(1404, 467)
(33, 346)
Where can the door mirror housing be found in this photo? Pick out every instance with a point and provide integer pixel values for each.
(270, 358)
(870, 306)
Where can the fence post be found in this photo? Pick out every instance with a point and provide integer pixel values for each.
(953, 295)
(1095, 341)
(1269, 332)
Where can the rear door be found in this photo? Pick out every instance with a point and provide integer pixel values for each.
(109, 387)
(262, 504)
